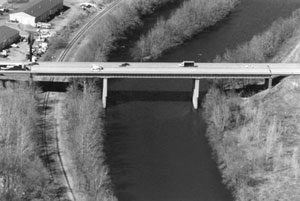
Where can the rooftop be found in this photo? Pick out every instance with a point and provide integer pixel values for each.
(37, 8)
(6, 32)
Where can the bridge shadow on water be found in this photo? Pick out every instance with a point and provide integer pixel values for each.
(119, 97)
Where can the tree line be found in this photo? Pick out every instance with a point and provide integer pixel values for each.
(85, 132)
(23, 175)
(255, 139)
(191, 18)
(114, 25)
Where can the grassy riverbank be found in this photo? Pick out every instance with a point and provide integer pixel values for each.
(23, 175)
(191, 18)
(256, 139)
(83, 117)
(114, 25)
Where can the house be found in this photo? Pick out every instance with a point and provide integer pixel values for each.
(8, 36)
(36, 11)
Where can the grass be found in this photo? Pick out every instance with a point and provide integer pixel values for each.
(191, 18)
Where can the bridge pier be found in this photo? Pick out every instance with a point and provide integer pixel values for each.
(270, 83)
(30, 80)
(104, 92)
(196, 93)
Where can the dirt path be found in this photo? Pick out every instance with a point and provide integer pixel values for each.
(52, 132)
(64, 155)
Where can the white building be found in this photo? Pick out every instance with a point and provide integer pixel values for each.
(36, 11)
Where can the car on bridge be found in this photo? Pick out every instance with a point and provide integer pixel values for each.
(124, 64)
(96, 67)
(187, 64)
(14, 67)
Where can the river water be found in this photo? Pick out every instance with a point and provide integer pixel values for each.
(155, 145)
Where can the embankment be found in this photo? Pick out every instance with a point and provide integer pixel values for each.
(113, 27)
(191, 18)
(256, 139)
(84, 134)
(264, 47)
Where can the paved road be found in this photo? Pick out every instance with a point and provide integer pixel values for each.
(112, 69)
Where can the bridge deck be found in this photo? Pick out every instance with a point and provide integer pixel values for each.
(160, 70)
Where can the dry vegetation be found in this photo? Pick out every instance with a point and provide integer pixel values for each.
(191, 18)
(125, 17)
(256, 141)
(22, 173)
(85, 136)
(263, 47)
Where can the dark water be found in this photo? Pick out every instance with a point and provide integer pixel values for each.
(155, 145)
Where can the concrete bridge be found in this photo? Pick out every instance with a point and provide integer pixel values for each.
(112, 70)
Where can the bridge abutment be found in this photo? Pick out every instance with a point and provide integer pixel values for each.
(104, 92)
(196, 93)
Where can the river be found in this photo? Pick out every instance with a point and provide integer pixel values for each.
(155, 145)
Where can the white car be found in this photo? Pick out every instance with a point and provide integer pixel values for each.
(96, 67)
(14, 45)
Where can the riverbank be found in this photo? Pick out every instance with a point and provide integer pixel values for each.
(191, 18)
(256, 139)
(83, 144)
(101, 41)
(266, 46)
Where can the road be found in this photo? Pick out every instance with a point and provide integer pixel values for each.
(161, 70)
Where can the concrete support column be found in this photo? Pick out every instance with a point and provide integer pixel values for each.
(30, 80)
(196, 93)
(104, 92)
(270, 83)
(84, 86)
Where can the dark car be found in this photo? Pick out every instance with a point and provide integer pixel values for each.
(124, 64)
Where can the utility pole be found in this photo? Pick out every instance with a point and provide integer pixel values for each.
(30, 42)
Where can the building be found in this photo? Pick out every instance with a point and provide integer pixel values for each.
(36, 11)
(8, 36)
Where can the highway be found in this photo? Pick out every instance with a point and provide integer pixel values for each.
(160, 70)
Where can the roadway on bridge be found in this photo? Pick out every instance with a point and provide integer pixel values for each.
(113, 69)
